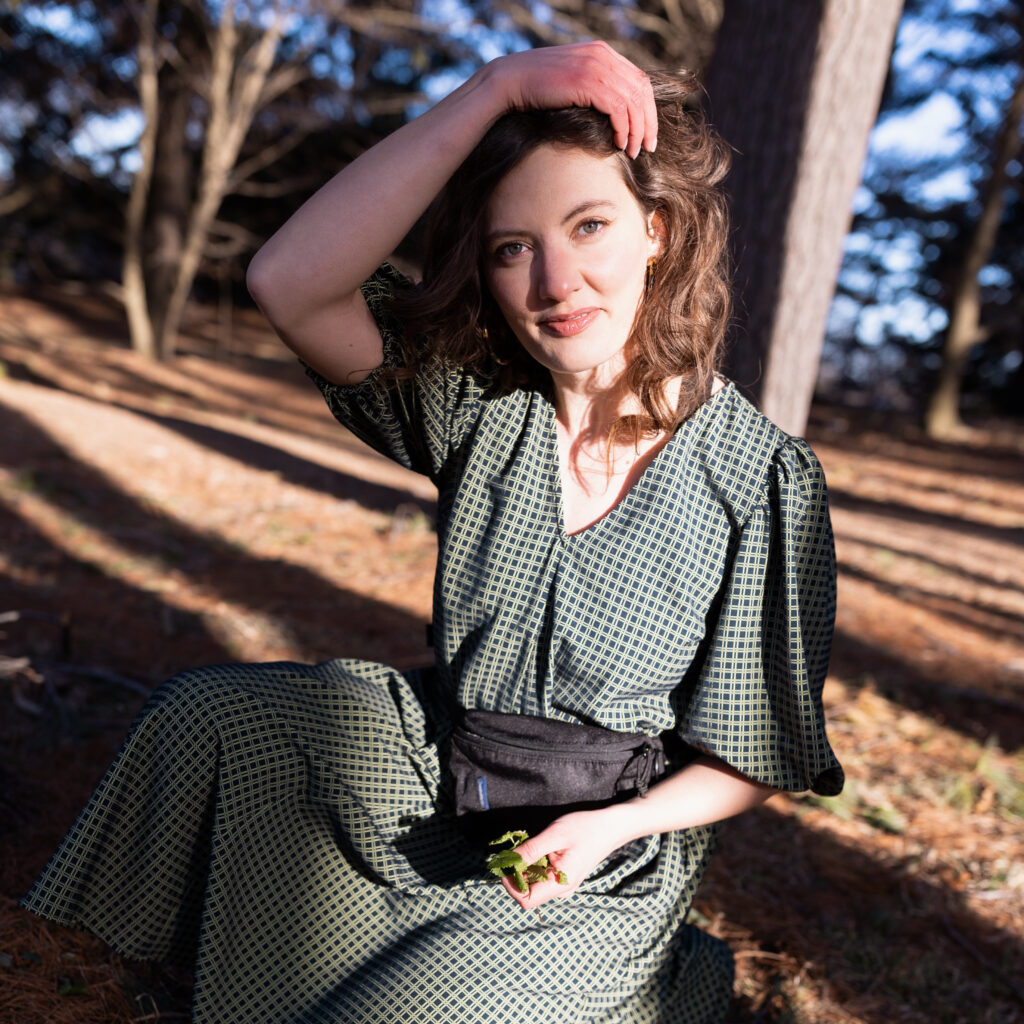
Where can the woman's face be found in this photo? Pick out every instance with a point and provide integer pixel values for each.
(566, 246)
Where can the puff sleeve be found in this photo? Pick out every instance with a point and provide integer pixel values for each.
(416, 421)
(756, 702)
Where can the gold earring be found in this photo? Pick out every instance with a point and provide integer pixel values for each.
(484, 333)
(649, 275)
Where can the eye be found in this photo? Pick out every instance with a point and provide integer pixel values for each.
(592, 226)
(510, 250)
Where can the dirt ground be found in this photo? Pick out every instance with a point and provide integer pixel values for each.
(154, 518)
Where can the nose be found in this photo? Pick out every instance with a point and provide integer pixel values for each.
(556, 274)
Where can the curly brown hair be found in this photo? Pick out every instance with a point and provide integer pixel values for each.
(679, 325)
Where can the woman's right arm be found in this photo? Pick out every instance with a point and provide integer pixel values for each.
(306, 278)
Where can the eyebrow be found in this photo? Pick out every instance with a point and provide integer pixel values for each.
(584, 207)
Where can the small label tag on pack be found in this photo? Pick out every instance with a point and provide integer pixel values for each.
(481, 792)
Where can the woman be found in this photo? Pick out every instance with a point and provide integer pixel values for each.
(624, 544)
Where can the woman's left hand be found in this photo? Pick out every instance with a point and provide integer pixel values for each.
(706, 790)
(574, 844)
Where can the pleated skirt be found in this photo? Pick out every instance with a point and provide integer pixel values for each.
(283, 830)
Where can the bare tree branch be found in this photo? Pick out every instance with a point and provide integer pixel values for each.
(235, 90)
(17, 199)
(673, 13)
(270, 154)
(384, 105)
(563, 28)
(227, 240)
(276, 189)
(282, 80)
(370, 22)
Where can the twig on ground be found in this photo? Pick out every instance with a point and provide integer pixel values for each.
(12, 666)
(108, 677)
(63, 620)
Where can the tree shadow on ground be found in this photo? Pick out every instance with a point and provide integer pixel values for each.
(292, 468)
(860, 432)
(983, 614)
(839, 499)
(118, 629)
(66, 710)
(273, 392)
(235, 444)
(873, 930)
(322, 619)
(973, 713)
(107, 616)
(925, 547)
(93, 315)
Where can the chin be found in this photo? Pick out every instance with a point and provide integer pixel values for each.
(612, 366)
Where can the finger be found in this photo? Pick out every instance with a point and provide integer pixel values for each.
(513, 891)
(530, 851)
(549, 843)
(633, 115)
(650, 117)
(634, 103)
(613, 81)
(542, 892)
(618, 114)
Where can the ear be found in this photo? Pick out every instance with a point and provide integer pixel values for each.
(656, 233)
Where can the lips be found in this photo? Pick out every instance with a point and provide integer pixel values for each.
(569, 324)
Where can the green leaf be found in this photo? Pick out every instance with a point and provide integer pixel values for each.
(515, 838)
(499, 863)
(510, 864)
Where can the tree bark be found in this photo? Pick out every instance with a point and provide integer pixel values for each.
(942, 418)
(170, 196)
(133, 275)
(794, 87)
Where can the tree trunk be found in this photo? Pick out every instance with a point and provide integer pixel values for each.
(794, 87)
(170, 194)
(942, 418)
(133, 277)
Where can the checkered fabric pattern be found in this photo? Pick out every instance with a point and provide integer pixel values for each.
(285, 827)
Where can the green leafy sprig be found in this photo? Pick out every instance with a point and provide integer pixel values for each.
(510, 864)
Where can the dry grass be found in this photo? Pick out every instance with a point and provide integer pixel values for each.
(50, 976)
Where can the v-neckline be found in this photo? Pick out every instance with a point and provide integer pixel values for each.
(555, 468)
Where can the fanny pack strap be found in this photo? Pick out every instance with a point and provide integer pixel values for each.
(647, 762)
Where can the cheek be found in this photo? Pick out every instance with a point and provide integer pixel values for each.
(506, 292)
(624, 263)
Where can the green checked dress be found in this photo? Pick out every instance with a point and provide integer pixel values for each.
(284, 829)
